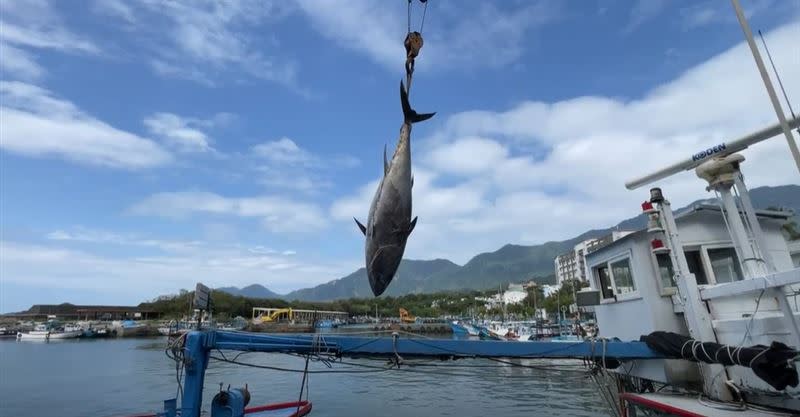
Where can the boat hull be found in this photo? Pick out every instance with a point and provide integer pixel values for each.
(40, 335)
(287, 409)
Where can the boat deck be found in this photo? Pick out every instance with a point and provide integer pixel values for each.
(693, 406)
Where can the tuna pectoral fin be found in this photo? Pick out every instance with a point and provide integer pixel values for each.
(409, 114)
(361, 226)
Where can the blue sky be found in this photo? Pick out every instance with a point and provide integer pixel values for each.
(148, 145)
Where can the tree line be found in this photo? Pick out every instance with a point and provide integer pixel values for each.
(450, 303)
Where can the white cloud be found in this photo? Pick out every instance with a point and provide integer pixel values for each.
(15, 62)
(34, 25)
(58, 266)
(277, 214)
(451, 159)
(643, 11)
(283, 151)
(477, 34)
(166, 69)
(202, 40)
(284, 164)
(115, 8)
(84, 235)
(181, 132)
(476, 189)
(36, 123)
(56, 38)
(710, 12)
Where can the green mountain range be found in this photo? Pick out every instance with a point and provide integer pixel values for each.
(251, 291)
(511, 263)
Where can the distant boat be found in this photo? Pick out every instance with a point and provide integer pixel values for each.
(485, 333)
(99, 333)
(237, 324)
(326, 324)
(175, 328)
(4, 332)
(463, 328)
(45, 332)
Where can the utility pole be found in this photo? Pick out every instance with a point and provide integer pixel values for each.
(575, 298)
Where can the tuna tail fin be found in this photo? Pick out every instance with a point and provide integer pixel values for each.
(409, 114)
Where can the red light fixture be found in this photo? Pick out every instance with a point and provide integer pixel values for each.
(647, 206)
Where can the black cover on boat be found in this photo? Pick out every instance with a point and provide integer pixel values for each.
(772, 364)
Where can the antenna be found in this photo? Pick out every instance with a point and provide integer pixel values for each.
(719, 150)
(767, 82)
(777, 76)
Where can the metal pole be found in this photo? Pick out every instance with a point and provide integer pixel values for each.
(750, 215)
(751, 262)
(777, 76)
(767, 83)
(698, 319)
(194, 373)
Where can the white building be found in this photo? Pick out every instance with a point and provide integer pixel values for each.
(549, 290)
(572, 265)
(515, 294)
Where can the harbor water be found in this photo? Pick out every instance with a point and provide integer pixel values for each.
(117, 377)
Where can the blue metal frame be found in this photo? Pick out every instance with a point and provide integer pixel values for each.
(199, 343)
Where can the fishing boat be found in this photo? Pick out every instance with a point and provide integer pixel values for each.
(238, 323)
(485, 334)
(325, 324)
(460, 327)
(5, 332)
(99, 333)
(174, 328)
(49, 332)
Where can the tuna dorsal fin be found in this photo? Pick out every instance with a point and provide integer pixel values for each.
(412, 225)
(361, 226)
(385, 162)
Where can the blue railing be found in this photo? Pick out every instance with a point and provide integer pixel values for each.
(199, 344)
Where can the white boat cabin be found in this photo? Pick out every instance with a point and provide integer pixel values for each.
(637, 290)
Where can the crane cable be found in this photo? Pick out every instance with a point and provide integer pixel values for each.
(413, 43)
(424, 12)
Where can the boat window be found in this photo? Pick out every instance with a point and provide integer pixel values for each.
(725, 265)
(605, 282)
(696, 266)
(623, 280)
(665, 271)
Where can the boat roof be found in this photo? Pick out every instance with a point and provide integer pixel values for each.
(696, 209)
(774, 214)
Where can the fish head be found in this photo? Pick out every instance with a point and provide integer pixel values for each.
(382, 265)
